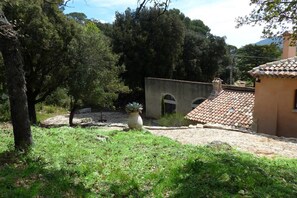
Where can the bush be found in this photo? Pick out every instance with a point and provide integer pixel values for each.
(58, 98)
(49, 109)
(44, 111)
(4, 110)
(173, 120)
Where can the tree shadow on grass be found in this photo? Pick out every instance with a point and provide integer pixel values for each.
(21, 176)
(228, 174)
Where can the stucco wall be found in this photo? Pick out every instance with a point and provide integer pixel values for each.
(274, 107)
(184, 92)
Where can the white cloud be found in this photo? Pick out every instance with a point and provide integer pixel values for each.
(220, 17)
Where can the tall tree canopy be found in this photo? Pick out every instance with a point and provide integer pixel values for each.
(250, 56)
(149, 45)
(94, 79)
(277, 15)
(168, 46)
(204, 55)
(45, 36)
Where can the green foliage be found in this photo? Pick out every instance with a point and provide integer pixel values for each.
(4, 108)
(250, 56)
(45, 34)
(75, 162)
(133, 107)
(4, 100)
(2, 76)
(58, 98)
(167, 46)
(78, 17)
(278, 17)
(47, 111)
(173, 120)
(204, 56)
(94, 81)
(149, 44)
(229, 62)
(106, 28)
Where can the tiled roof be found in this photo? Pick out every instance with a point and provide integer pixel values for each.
(286, 68)
(231, 108)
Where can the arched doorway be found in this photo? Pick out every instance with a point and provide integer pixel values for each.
(168, 104)
(197, 102)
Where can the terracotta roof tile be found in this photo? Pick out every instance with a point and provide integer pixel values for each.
(286, 68)
(231, 108)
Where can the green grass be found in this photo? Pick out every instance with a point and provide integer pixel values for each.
(74, 162)
(175, 120)
(44, 112)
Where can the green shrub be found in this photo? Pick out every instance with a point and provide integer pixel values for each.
(49, 109)
(4, 108)
(44, 111)
(58, 98)
(175, 119)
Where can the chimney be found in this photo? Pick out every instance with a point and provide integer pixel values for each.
(216, 88)
(289, 50)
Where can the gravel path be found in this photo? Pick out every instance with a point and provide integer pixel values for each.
(259, 144)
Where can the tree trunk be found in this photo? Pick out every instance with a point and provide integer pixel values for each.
(13, 62)
(72, 112)
(32, 111)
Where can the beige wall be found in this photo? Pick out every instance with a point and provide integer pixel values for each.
(274, 107)
(184, 92)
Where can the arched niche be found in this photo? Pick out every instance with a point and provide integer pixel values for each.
(168, 104)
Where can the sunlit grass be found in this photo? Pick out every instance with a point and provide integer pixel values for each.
(76, 162)
(44, 112)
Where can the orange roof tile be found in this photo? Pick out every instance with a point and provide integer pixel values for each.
(286, 68)
(231, 108)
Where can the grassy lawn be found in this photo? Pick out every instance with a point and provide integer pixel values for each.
(75, 162)
(44, 112)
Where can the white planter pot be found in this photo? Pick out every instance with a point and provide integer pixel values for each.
(135, 121)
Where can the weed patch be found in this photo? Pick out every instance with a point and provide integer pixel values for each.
(175, 120)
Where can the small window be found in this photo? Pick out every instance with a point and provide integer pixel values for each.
(295, 100)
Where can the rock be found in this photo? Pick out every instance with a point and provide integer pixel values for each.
(121, 125)
(164, 128)
(102, 138)
(217, 126)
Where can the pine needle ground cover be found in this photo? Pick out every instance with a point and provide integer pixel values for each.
(76, 162)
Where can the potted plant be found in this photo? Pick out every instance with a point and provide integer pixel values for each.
(134, 120)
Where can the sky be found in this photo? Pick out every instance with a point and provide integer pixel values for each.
(218, 15)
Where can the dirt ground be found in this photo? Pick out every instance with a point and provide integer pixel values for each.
(258, 144)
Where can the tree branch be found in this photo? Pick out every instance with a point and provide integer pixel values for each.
(162, 4)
